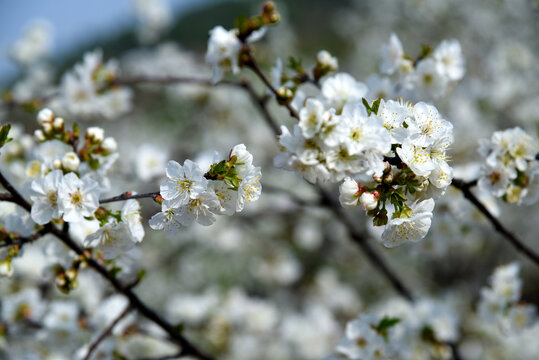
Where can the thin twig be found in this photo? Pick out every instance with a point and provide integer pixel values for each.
(251, 64)
(125, 196)
(20, 241)
(465, 187)
(107, 332)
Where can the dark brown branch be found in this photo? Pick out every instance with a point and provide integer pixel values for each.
(106, 332)
(358, 238)
(465, 187)
(20, 241)
(125, 196)
(187, 347)
(17, 198)
(251, 64)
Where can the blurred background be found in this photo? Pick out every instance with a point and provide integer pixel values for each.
(292, 266)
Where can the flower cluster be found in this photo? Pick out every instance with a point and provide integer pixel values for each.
(395, 149)
(500, 303)
(408, 332)
(69, 178)
(224, 46)
(431, 73)
(511, 167)
(191, 194)
(88, 90)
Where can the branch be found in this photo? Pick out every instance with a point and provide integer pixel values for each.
(187, 347)
(16, 196)
(106, 332)
(518, 244)
(20, 241)
(251, 64)
(126, 196)
(358, 238)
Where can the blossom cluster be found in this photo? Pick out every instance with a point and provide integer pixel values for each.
(193, 194)
(224, 46)
(388, 151)
(409, 332)
(69, 176)
(511, 168)
(500, 303)
(429, 75)
(89, 90)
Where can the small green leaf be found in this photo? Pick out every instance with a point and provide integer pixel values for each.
(385, 324)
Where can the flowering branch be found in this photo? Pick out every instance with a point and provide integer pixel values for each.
(188, 348)
(250, 62)
(518, 244)
(107, 332)
(20, 241)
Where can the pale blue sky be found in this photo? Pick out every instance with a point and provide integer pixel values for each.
(74, 21)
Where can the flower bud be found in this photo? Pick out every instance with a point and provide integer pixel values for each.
(6, 270)
(70, 161)
(95, 134)
(57, 164)
(45, 116)
(109, 145)
(284, 95)
(328, 62)
(368, 200)
(47, 127)
(58, 123)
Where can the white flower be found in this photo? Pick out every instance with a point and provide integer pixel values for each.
(45, 115)
(6, 269)
(130, 215)
(34, 45)
(326, 61)
(250, 189)
(412, 228)
(428, 79)
(450, 59)
(150, 160)
(44, 195)
(228, 198)
(70, 161)
(341, 89)
(361, 133)
(168, 220)
(416, 157)
(199, 208)
(348, 193)
(223, 51)
(245, 158)
(62, 316)
(495, 179)
(362, 341)
(427, 125)
(393, 115)
(109, 145)
(96, 134)
(506, 283)
(392, 55)
(78, 198)
(184, 182)
(311, 117)
(113, 239)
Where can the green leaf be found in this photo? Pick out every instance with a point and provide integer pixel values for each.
(4, 131)
(385, 324)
